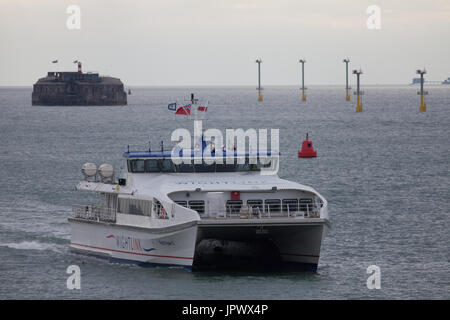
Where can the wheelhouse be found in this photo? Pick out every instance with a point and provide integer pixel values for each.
(151, 162)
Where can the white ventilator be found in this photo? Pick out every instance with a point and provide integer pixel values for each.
(89, 169)
(106, 170)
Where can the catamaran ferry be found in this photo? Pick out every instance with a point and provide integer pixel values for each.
(200, 214)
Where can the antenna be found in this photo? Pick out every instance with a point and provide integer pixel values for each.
(193, 100)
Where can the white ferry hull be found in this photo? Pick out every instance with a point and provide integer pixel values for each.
(298, 244)
(139, 245)
(301, 245)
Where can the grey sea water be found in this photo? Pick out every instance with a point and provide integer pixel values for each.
(385, 173)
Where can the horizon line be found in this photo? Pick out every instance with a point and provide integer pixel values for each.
(235, 85)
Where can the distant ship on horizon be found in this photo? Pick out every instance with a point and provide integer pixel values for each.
(417, 81)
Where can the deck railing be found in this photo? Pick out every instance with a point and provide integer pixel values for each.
(95, 213)
(248, 212)
(98, 213)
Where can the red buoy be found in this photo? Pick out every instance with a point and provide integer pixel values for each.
(307, 149)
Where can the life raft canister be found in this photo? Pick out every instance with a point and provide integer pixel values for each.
(307, 150)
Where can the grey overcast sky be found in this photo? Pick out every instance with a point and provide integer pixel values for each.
(216, 42)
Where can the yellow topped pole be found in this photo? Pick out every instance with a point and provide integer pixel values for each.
(358, 92)
(423, 105)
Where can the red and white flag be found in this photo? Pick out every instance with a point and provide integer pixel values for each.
(185, 110)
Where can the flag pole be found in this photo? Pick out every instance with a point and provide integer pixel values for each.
(57, 65)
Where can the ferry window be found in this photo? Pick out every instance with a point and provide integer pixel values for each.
(185, 168)
(136, 207)
(123, 205)
(159, 210)
(265, 165)
(292, 204)
(151, 165)
(136, 165)
(204, 167)
(225, 167)
(305, 204)
(197, 205)
(234, 206)
(255, 204)
(156, 205)
(167, 165)
(244, 166)
(146, 207)
(272, 205)
(320, 202)
(181, 203)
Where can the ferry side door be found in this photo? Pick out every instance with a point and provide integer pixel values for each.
(216, 204)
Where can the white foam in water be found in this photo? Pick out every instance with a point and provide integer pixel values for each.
(42, 217)
(33, 245)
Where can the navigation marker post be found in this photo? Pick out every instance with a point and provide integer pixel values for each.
(302, 61)
(358, 92)
(347, 96)
(260, 98)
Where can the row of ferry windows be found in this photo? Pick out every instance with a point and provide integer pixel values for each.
(167, 166)
(272, 205)
(141, 208)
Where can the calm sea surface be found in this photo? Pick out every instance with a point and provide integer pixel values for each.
(385, 173)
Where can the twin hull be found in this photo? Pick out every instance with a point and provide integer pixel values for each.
(170, 246)
(297, 243)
